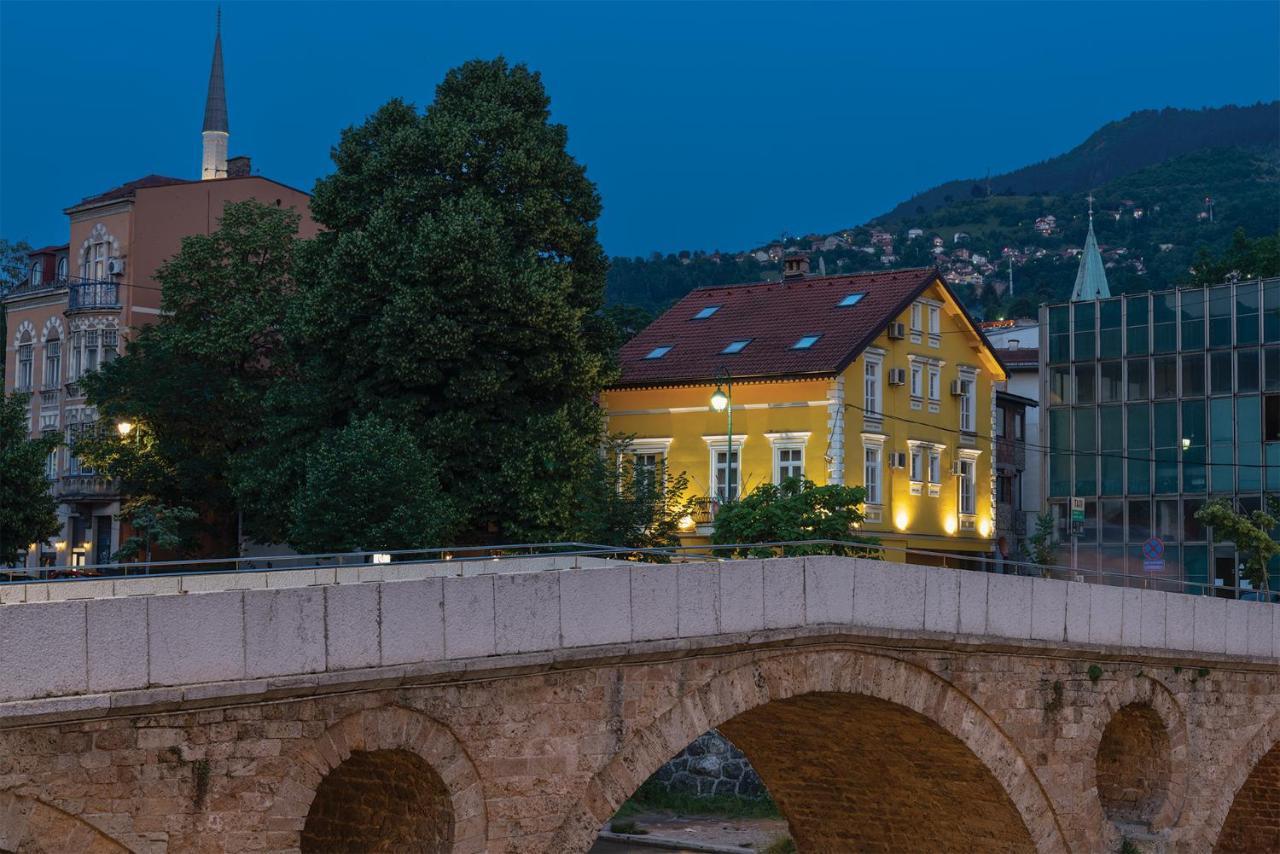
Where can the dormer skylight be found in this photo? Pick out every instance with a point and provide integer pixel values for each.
(736, 346)
(706, 312)
(806, 342)
(851, 299)
(659, 352)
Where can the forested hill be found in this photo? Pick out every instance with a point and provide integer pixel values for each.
(1116, 149)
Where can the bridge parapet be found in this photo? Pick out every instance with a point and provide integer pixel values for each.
(79, 658)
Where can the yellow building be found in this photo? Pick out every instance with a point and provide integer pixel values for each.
(879, 380)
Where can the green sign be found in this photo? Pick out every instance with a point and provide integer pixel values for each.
(1077, 510)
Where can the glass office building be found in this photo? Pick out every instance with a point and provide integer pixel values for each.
(1155, 403)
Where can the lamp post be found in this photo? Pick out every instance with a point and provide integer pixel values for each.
(722, 401)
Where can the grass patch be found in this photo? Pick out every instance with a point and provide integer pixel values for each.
(653, 797)
(629, 827)
(781, 845)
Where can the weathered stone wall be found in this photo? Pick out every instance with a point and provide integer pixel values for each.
(710, 765)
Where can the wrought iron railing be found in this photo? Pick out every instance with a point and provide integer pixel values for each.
(92, 294)
(704, 510)
(84, 485)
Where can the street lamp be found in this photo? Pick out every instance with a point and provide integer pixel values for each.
(722, 401)
(124, 428)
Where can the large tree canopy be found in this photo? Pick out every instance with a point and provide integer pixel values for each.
(455, 290)
(28, 511)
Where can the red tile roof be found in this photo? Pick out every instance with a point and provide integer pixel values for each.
(49, 250)
(1021, 357)
(126, 190)
(774, 316)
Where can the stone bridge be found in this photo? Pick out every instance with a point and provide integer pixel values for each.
(888, 708)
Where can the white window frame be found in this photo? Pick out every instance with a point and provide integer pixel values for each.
(968, 401)
(935, 383)
(52, 363)
(62, 269)
(873, 474)
(917, 380)
(967, 486)
(873, 385)
(717, 445)
(935, 320)
(26, 366)
(917, 317)
(789, 441)
(37, 273)
(935, 470)
(636, 448)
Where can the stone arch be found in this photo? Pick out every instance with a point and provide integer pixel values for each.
(53, 323)
(98, 234)
(850, 683)
(30, 826)
(1134, 703)
(1254, 757)
(26, 334)
(388, 740)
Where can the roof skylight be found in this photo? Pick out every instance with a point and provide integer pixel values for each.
(736, 346)
(706, 312)
(658, 352)
(806, 342)
(851, 299)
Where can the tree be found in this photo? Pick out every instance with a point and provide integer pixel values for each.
(791, 511)
(13, 270)
(28, 511)
(622, 505)
(455, 289)
(1251, 533)
(195, 381)
(155, 525)
(1041, 542)
(369, 486)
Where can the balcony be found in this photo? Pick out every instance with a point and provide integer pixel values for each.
(87, 487)
(1011, 452)
(49, 397)
(74, 391)
(27, 289)
(92, 296)
(704, 510)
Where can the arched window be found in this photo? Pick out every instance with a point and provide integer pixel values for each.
(37, 273)
(24, 378)
(62, 269)
(94, 266)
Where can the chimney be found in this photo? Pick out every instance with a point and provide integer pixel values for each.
(795, 265)
(238, 167)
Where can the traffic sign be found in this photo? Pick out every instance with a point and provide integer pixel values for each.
(1077, 510)
(1153, 555)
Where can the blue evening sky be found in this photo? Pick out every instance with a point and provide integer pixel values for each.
(709, 125)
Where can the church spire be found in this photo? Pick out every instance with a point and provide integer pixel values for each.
(1091, 278)
(216, 129)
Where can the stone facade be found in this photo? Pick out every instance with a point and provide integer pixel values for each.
(710, 765)
(869, 739)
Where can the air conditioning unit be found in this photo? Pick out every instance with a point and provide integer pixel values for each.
(898, 460)
(957, 467)
(115, 266)
(957, 388)
(897, 330)
(897, 376)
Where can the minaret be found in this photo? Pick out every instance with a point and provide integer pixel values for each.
(216, 132)
(1091, 278)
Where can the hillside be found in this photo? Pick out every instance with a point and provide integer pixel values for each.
(1117, 149)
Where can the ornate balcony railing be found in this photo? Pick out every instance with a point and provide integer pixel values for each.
(74, 390)
(49, 397)
(704, 510)
(26, 288)
(80, 487)
(1011, 452)
(88, 294)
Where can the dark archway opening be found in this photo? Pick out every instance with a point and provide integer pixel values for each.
(1133, 765)
(380, 801)
(855, 773)
(1253, 824)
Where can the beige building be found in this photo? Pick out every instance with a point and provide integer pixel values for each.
(81, 300)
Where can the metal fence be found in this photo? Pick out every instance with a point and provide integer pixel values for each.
(463, 555)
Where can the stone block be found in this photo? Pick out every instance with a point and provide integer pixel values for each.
(117, 644)
(291, 578)
(595, 606)
(973, 603)
(66, 591)
(412, 621)
(1210, 624)
(1049, 609)
(42, 650)
(888, 595)
(654, 593)
(941, 600)
(351, 618)
(468, 616)
(163, 585)
(219, 581)
(828, 590)
(284, 631)
(1179, 621)
(1131, 617)
(1237, 627)
(698, 599)
(527, 611)
(783, 592)
(1258, 621)
(1154, 607)
(1077, 611)
(1009, 606)
(1106, 613)
(198, 637)
(742, 596)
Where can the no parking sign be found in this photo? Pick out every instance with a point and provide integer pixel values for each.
(1153, 555)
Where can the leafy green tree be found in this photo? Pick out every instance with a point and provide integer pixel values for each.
(13, 269)
(154, 525)
(635, 508)
(1251, 533)
(369, 486)
(795, 510)
(1245, 259)
(28, 511)
(455, 289)
(1041, 543)
(195, 381)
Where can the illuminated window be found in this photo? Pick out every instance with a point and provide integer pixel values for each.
(706, 312)
(851, 299)
(658, 352)
(736, 346)
(806, 342)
